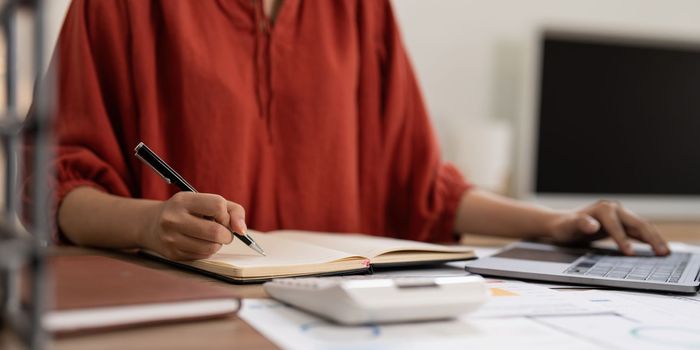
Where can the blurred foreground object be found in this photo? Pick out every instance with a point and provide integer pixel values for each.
(22, 252)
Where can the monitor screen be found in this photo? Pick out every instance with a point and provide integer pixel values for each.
(618, 117)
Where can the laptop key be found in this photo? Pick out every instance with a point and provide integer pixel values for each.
(616, 275)
(586, 264)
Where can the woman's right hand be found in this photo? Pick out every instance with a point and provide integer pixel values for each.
(182, 227)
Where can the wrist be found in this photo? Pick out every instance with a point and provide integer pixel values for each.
(548, 223)
(146, 223)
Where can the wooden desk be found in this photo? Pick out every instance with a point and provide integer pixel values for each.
(233, 333)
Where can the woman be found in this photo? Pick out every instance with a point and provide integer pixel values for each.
(297, 114)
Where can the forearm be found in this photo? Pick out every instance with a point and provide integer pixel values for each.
(481, 212)
(90, 217)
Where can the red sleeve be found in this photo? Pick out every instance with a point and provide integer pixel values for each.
(90, 98)
(426, 191)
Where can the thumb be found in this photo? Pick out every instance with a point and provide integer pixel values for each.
(587, 224)
(237, 215)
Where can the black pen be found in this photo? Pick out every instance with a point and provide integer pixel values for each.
(172, 177)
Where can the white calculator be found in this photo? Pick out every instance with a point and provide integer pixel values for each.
(373, 300)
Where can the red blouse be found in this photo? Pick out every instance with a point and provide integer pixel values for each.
(315, 122)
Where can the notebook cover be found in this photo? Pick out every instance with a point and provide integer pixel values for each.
(97, 281)
(418, 263)
(253, 280)
(90, 281)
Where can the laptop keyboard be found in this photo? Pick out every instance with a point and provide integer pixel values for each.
(654, 269)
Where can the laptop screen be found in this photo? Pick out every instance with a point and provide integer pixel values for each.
(618, 117)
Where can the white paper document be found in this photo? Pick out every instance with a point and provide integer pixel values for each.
(515, 298)
(646, 307)
(639, 321)
(618, 332)
(293, 329)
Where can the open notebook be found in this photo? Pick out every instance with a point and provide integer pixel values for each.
(302, 253)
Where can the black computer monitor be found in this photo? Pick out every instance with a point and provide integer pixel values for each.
(617, 117)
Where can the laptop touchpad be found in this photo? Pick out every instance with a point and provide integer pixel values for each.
(538, 255)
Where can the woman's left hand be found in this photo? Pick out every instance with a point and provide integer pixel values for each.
(607, 218)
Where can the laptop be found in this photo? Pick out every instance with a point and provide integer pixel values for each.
(677, 272)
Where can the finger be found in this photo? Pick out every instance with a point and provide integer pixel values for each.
(182, 255)
(208, 205)
(612, 225)
(645, 232)
(236, 213)
(200, 228)
(176, 246)
(587, 224)
(194, 246)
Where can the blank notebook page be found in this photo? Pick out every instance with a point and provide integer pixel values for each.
(280, 252)
(365, 245)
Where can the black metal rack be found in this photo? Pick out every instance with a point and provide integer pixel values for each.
(21, 250)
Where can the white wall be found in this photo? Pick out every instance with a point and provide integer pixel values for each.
(469, 58)
(56, 10)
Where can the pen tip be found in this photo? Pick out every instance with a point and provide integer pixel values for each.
(257, 248)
